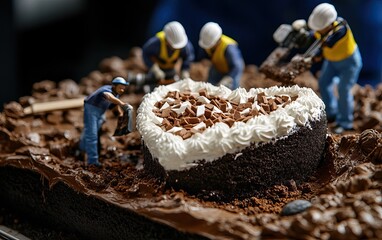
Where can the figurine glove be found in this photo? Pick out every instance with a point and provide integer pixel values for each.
(158, 73)
(184, 74)
(226, 81)
(299, 24)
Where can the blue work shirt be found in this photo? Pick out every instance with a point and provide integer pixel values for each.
(98, 99)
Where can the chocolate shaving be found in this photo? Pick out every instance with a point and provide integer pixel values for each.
(228, 112)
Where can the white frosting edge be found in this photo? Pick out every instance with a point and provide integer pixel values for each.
(174, 153)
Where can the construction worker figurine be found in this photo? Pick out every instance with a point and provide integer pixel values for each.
(224, 53)
(341, 60)
(162, 51)
(95, 105)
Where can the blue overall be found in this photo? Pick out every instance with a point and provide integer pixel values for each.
(95, 107)
(341, 66)
(347, 72)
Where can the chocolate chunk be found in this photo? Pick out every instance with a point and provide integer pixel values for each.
(214, 108)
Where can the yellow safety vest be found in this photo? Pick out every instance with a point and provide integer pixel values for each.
(217, 57)
(165, 61)
(342, 49)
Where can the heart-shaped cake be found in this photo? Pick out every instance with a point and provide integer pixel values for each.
(225, 144)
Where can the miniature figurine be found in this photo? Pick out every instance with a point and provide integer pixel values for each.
(342, 62)
(161, 53)
(224, 53)
(95, 106)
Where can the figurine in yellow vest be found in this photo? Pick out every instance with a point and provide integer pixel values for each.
(225, 55)
(341, 60)
(162, 51)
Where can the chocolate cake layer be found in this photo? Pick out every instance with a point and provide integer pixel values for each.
(253, 170)
(344, 192)
(121, 202)
(75, 211)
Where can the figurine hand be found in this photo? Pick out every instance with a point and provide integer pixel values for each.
(184, 74)
(299, 24)
(158, 73)
(126, 107)
(226, 81)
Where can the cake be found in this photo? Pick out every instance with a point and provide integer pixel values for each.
(42, 178)
(221, 144)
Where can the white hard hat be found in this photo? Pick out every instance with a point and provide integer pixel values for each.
(322, 16)
(175, 34)
(119, 80)
(209, 35)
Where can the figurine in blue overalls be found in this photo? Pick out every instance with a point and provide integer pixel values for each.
(225, 55)
(162, 52)
(341, 60)
(95, 106)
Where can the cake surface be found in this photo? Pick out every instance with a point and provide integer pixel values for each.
(42, 178)
(229, 144)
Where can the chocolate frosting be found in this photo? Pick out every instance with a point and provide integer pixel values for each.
(342, 185)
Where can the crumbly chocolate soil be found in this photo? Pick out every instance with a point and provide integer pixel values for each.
(285, 72)
(345, 191)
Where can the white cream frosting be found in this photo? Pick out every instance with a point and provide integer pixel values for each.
(174, 153)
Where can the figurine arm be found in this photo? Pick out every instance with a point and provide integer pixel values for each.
(111, 98)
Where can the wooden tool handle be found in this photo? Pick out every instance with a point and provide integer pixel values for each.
(54, 105)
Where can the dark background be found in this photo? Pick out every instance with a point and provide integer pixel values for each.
(69, 42)
(60, 39)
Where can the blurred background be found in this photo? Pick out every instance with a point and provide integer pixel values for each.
(60, 39)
